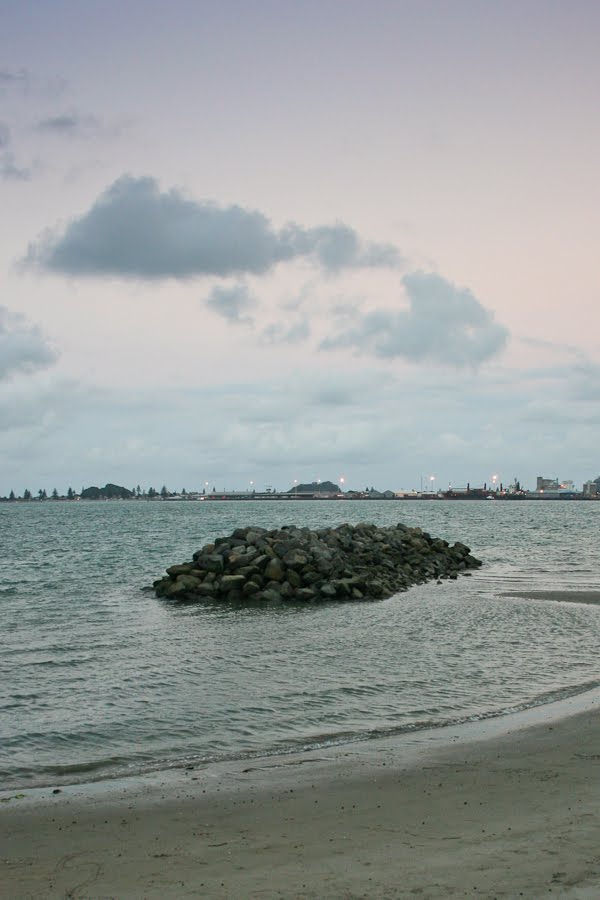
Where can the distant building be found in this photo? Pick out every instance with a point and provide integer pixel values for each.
(547, 484)
(591, 489)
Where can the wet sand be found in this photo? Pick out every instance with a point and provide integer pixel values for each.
(509, 807)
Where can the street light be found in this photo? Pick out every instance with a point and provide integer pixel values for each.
(342, 480)
(296, 488)
(432, 479)
(494, 480)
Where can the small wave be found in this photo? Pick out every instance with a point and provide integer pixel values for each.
(76, 773)
(68, 663)
(112, 768)
(85, 767)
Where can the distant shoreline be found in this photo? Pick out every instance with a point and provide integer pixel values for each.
(244, 496)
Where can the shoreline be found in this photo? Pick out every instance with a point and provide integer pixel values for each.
(577, 696)
(505, 806)
(473, 495)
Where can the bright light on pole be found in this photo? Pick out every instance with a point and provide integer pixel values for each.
(432, 479)
(342, 480)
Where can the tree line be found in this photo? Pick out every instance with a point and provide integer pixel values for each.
(94, 493)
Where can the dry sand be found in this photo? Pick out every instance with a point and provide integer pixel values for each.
(505, 808)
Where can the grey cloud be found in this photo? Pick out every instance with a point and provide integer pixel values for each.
(363, 391)
(455, 424)
(586, 382)
(301, 299)
(322, 396)
(9, 170)
(19, 78)
(565, 395)
(23, 82)
(23, 348)
(576, 392)
(332, 394)
(339, 247)
(545, 414)
(369, 426)
(310, 443)
(317, 420)
(232, 302)
(46, 398)
(27, 404)
(71, 125)
(540, 344)
(283, 332)
(134, 230)
(443, 324)
(571, 403)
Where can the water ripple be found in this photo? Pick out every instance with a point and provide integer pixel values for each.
(99, 678)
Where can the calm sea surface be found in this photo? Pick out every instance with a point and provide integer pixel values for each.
(98, 678)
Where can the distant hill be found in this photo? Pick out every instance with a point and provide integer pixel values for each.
(316, 487)
(108, 492)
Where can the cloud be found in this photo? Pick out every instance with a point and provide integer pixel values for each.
(442, 324)
(585, 385)
(310, 398)
(10, 78)
(23, 348)
(23, 82)
(9, 170)
(71, 125)
(315, 420)
(339, 247)
(572, 398)
(66, 123)
(372, 426)
(231, 302)
(352, 389)
(135, 230)
(283, 332)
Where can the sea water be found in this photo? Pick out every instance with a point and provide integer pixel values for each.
(99, 678)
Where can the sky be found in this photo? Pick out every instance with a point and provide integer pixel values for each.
(252, 243)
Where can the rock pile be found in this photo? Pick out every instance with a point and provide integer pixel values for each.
(350, 562)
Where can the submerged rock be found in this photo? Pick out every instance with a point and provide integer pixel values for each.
(350, 562)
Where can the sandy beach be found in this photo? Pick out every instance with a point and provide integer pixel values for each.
(508, 807)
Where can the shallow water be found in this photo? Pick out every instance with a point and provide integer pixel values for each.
(98, 678)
